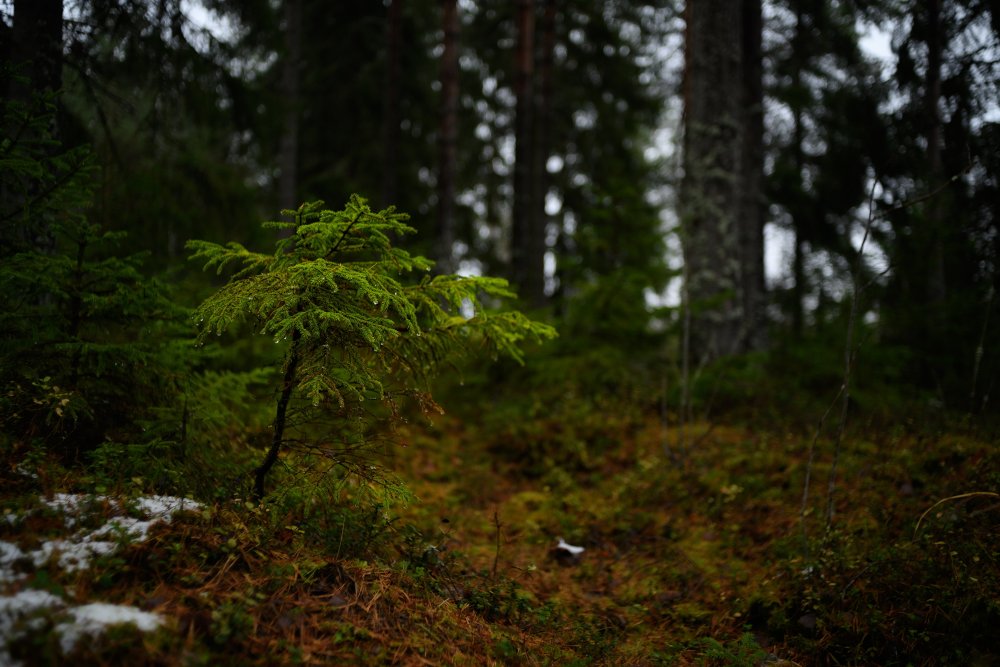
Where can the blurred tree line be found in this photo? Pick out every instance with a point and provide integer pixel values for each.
(570, 147)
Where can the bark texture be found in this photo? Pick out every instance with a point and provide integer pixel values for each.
(720, 199)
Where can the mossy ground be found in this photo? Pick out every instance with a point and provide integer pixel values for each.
(702, 557)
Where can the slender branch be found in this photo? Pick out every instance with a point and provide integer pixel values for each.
(917, 200)
(45, 194)
(336, 246)
(961, 496)
(849, 355)
(496, 554)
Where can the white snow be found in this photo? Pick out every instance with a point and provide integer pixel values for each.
(77, 550)
(9, 554)
(91, 620)
(14, 610)
(72, 553)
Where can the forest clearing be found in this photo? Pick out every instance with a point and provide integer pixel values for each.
(499, 333)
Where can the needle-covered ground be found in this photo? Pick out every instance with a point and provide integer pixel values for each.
(693, 555)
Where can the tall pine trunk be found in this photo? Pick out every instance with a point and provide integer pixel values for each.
(751, 221)
(36, 44)
(447, 137)
(35, 50)
(798, 157)
(542, 143)
(527, 264)
(936, 286)
(288, 154)
(391, 114)
(710, 199)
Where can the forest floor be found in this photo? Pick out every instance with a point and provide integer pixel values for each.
(693, 556)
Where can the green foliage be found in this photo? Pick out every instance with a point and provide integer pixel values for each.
(744, 652)
(89, 342)
(359, 338)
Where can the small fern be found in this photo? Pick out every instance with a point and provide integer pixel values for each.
(335, 291)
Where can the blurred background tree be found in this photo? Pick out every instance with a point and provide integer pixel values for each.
(575, 148)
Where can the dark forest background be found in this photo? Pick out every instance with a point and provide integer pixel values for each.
(575, 149)
(628, 167)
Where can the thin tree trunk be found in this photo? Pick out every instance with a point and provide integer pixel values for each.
(35, 49)
(36, 43)
(751, 220)
(798, 259)
(541, 146)
(447, 137)
(527, 270)
(391, 113)
(936, 286)
(291, 93)
(280, 415)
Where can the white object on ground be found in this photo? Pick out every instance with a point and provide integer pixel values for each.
(569, 548)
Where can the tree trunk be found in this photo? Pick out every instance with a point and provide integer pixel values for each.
(798, 223)
(541, 146)
(936, 286)
(447, 138)
(291, 93)
(36, 42)
(35, 51)
(527, 268)
(751, 220)
(710, 197)
(280, 416)
(390, 115)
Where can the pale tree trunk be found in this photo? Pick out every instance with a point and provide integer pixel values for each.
(710, 196)
(447, 138)
(291, 93)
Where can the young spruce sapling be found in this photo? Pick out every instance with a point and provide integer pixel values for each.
(336, 293)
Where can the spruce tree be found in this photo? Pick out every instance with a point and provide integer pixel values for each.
(357, 333)
(84, 357)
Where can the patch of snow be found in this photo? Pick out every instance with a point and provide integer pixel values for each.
(72, 504)
(9, 554)
(74, 553)
(164, 507)
(23, 470)
(13, 612)
(92, 619)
